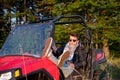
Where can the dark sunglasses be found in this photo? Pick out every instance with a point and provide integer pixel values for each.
(72, 40)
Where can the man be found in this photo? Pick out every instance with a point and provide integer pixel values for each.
(69, 59)
(71, 47)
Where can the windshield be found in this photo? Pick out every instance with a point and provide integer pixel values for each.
(27, 39)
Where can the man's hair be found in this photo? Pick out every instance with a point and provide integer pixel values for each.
(74, 34)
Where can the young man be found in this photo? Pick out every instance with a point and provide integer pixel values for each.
(69, 59)
(71, 47)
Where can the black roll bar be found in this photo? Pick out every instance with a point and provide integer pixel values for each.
(80, 20)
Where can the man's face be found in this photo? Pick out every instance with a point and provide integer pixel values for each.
(73, 41)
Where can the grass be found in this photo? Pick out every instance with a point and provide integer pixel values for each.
(112, 68)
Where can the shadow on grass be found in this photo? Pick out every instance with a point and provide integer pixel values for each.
(108, 72)
(113, 72)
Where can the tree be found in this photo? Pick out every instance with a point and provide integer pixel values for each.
(101, 16)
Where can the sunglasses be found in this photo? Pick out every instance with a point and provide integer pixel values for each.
(70, 40)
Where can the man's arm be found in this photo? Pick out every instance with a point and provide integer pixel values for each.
(79, 58)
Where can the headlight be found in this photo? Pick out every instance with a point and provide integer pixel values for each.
(6, 76)
(10, 74)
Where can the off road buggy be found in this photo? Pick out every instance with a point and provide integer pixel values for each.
(20, 56)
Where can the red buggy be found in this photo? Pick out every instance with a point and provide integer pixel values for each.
(20, 56)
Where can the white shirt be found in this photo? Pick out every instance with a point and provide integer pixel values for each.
(71, 49)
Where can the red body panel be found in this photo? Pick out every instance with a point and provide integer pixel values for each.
(29, 64)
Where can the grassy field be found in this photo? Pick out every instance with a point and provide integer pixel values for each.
(112, 67)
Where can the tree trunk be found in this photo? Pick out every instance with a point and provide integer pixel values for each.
(96, 44)
(106, 48)
(25, 18)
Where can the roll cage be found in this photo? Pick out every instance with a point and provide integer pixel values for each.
(75, 19)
